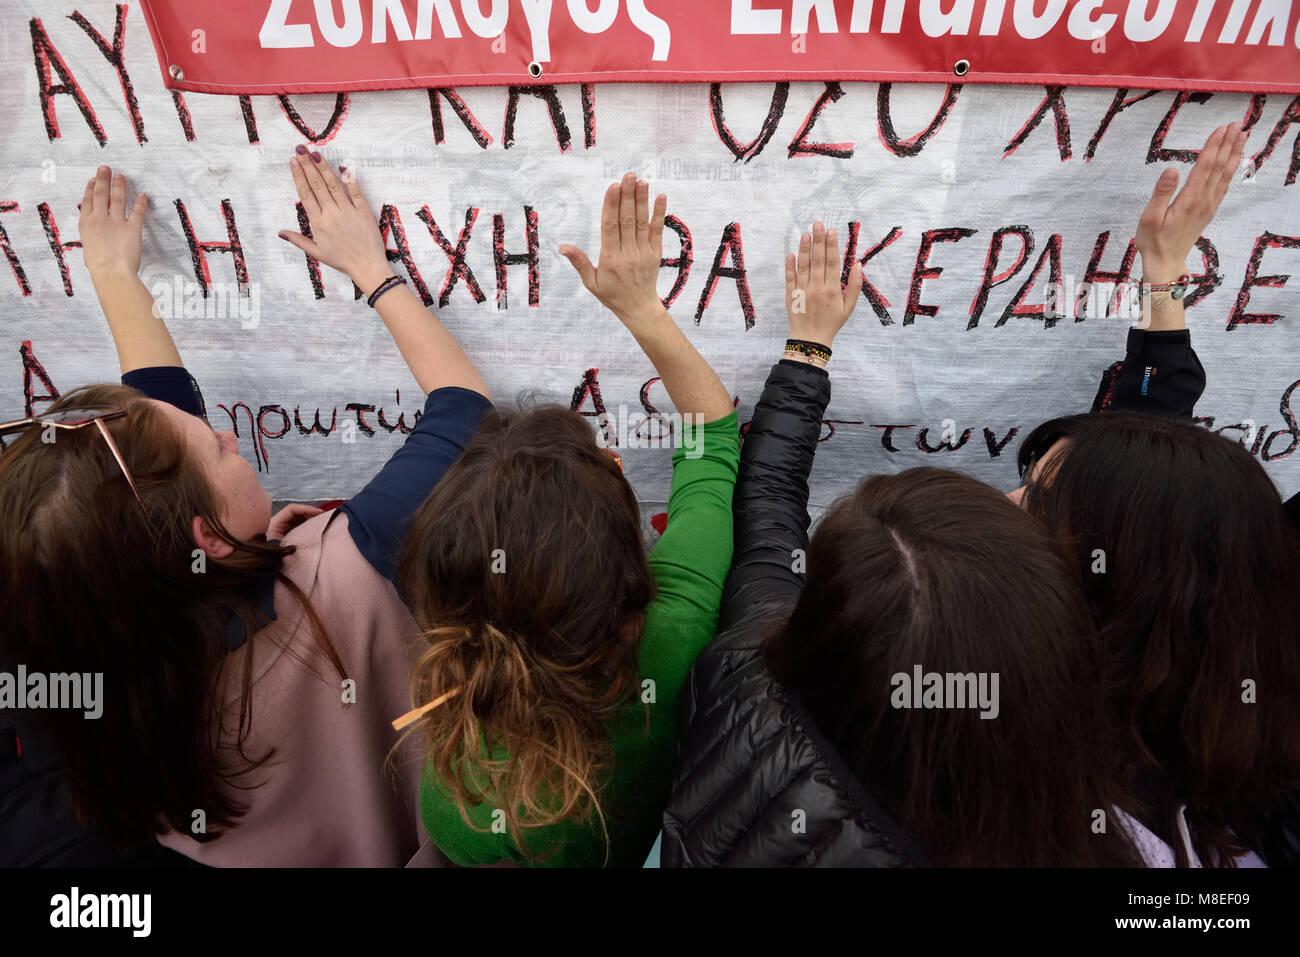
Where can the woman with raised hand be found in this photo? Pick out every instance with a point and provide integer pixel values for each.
(915, 685)
(1161, 374)
(251, 665)
(1181, 543)
(554, 649)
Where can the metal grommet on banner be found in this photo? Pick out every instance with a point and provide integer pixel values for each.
(176, 72)
(961, 67)
(534, 69)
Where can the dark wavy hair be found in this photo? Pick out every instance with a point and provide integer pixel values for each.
(932, 568)
(89, 583)
(526, 571)
(1189, 566)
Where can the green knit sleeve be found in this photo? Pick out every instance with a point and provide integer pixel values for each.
(691, 559)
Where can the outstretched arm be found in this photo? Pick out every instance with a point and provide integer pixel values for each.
(631, 245)
(110, 231)
(1160, 373)
(771, 499)
(345, 235)
(1167, 231)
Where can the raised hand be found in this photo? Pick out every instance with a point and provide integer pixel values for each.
(1167, 231)
(631, 245)
(345, 233)
(817, 304)
(109, 227)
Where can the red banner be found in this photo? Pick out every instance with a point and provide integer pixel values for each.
(305, 46)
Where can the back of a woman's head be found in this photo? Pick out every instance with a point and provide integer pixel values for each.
(1188, 563)
(999, 759)
(526, 571)
(91, 584)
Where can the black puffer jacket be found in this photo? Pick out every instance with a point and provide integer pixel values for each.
(756, 783)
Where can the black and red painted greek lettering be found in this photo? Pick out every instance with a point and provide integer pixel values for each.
(531, 258)
(1054, 101)
(250, 119)
(913, 144)
(1289, 116)
(49, 62)
(9, 206)
(1252, 280)
(1051, 254)
(476, 129)
(549, 96)
(1119, 104)
(199, 249)
(458, 268)
(32, 370)
(681, 262)
(991, 262)
(113, 53)
(183, 114)
(923, 270)
(800, 146)
(653, 415)
(57, 246)
(313, 264)
(733, 248)
(1095, 274)
(390, 227)
(342, 104)
(589, 388)
(879, 304)
(747, 151)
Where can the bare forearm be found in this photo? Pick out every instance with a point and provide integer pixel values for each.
(691, 382)
(432, 353)
(1166, 313)
(141, 338)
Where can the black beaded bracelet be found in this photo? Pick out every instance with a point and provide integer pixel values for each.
(383, 287)
(804, 347)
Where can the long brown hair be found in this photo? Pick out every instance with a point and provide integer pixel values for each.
(526, 570)
(93, 585)
(930, 568)
(1189, 566)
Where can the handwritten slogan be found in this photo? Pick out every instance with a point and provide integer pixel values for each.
(990, 220)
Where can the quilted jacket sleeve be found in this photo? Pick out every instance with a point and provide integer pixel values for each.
(770, 505)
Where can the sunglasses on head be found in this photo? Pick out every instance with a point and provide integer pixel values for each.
(72, 419)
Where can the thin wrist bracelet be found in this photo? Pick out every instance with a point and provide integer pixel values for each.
(389, 283)
(1176, 289)
(808, 348)
(808, 358)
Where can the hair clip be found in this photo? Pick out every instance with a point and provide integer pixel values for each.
(413, 716)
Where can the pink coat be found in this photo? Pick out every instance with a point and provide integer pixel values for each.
(328, 797)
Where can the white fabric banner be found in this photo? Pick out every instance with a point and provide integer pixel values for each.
(932, 176)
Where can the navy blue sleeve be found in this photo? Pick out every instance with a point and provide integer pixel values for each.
(171, 384)
(380, 515)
